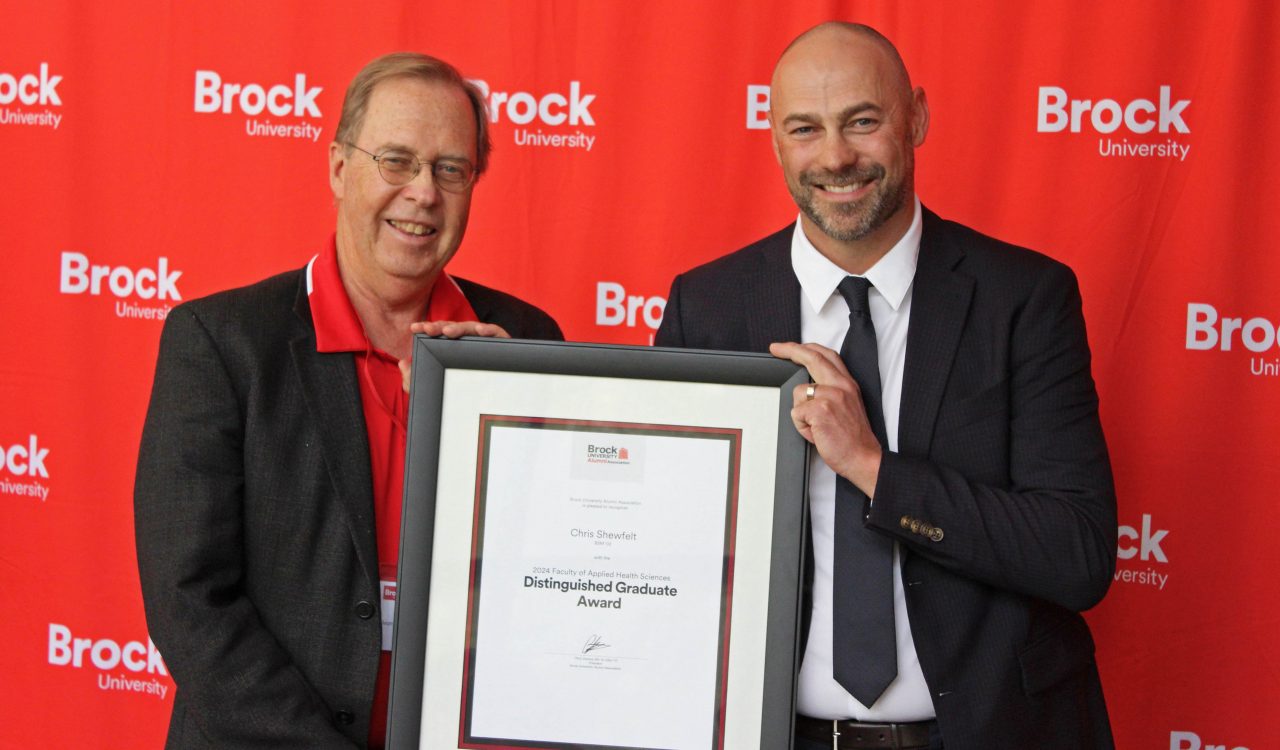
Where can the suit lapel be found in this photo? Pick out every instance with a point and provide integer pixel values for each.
(939, 307)
(774, 293)
(333, 397)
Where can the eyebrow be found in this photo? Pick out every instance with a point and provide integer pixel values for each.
(393, 146)
(844, 114)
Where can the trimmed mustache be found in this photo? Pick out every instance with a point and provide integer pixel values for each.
(843, 177)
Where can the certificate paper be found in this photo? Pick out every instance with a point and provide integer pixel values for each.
(602, 571)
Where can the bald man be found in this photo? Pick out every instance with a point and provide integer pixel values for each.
(961, 500)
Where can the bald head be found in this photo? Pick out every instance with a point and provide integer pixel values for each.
(837, 33)
(845, 123)
(851, 46)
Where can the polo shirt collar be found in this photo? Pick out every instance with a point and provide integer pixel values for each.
(338, 327)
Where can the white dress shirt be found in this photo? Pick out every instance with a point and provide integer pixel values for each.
(824, 319)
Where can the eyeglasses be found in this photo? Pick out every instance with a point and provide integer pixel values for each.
(400, 167)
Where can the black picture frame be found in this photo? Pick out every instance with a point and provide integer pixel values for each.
(443, 366)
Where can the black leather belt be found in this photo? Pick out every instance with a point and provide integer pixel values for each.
(857, 735)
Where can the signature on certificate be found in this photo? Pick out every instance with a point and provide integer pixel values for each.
(594, 643)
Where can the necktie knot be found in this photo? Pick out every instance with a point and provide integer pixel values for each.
(854, 289)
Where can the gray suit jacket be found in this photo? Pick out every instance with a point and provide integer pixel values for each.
(254, 520)
(1000, 447)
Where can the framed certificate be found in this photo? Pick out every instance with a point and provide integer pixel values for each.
(601, 548)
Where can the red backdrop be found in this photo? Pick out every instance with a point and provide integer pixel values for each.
(1159, 195)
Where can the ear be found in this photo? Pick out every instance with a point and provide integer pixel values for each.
(337, 167)
(919, 117)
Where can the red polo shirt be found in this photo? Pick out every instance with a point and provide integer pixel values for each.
(386, 406)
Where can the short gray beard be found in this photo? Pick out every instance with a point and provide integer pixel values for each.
(874, 210)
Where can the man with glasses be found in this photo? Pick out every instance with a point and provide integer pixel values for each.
(270, 474)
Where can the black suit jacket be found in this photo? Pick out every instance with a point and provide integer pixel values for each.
(255, 523)
(1000, 448)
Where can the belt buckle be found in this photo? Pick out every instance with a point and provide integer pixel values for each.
(835, 734)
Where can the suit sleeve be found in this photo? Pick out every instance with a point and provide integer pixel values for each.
(1048, 529)
(547, 330)
(240, 687)
(669, 332)
(528, 322)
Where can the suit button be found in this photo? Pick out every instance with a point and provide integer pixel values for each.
(905, 522)
(915, 527)
(364, 610)
(936, 534)
(344, 717)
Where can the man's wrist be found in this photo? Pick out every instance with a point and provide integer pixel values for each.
(866, 473)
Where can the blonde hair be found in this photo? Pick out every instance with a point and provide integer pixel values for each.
(421, 67)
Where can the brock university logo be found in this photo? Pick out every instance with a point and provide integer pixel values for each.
(145, 293)
(1208, 330)
(566, 116)
(133, 666)
(1141, 555)
(22, 467)
(1058, 112)
(292, 102)
(30, 97)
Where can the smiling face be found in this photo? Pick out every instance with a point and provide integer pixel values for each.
(393, 240)
(845, 124)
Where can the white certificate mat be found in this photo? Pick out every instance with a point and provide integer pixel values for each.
(602, 572)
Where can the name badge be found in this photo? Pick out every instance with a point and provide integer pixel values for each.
(388, 612)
